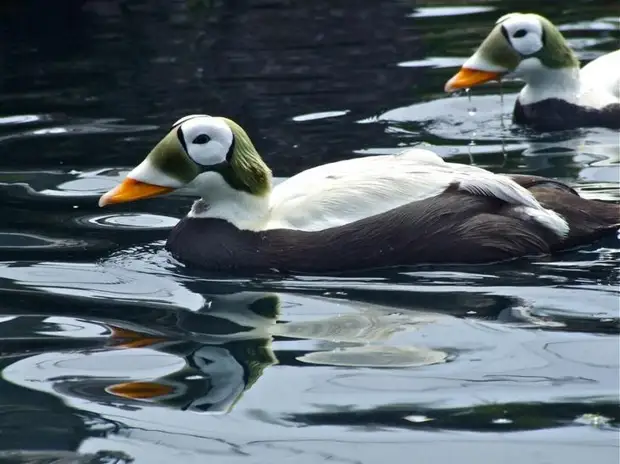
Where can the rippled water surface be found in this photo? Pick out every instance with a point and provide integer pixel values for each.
(111, 351)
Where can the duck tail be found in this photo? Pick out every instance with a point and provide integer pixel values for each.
(591, 220)
(588, 220)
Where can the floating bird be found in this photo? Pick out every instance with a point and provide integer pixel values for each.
(557, 94)
(370, 212)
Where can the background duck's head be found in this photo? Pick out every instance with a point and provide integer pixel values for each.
(214, 154)
(522, 43)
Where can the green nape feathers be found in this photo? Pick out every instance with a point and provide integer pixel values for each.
(246, 170)
(556, 52)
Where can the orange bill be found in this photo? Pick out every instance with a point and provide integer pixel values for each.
(467, 77)
(131, 190)
(126, 339)
(140, 390)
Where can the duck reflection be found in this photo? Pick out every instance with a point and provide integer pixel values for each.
(231, 347)
(208, 358)
(204, 361)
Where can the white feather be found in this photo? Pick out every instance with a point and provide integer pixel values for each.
(219, 200)
(543, 83)
(600, 81)
(547, 218)
(596, 85)
(339, 193)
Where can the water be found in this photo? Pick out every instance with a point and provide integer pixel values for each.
(111, 351)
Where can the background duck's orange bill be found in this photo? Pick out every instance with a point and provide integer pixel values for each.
(469, 78)
(140, 390)
(131, 190)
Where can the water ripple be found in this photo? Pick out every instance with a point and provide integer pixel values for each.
(112, 351)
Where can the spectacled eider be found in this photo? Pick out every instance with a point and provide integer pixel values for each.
(377, 211)
(557, 95)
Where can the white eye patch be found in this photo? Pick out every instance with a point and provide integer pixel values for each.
(524, 32)
(205, 138)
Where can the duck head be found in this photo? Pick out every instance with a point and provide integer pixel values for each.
(524, 44)
(214, 154)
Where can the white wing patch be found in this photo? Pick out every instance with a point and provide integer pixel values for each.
(506, 189)
(497, 186)
(549, 219)
(339, 193)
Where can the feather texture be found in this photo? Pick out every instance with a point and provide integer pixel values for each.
(600, 81)
(339, 193)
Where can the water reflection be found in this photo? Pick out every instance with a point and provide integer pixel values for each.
(586, 156)
(200, 360)
(202, 345)
(507, 417)
(110, 346)
(62, 457)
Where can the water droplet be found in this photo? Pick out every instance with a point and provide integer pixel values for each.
(501, 105)
(502, 421)
(472, 143)
(471, 110)
(418, 419)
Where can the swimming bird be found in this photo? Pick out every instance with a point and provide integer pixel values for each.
(557, 94)
(377, 211)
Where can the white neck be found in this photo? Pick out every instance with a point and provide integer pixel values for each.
(543, 83)
(220, 201)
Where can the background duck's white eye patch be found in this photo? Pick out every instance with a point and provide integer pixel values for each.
(524, 33)
(206, 139)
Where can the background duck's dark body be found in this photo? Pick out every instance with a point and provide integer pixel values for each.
(454, 227)
(554, 114)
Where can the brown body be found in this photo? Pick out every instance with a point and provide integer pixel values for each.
(554, 114)
(454, 227)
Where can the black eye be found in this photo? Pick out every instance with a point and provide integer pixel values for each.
(519, 33)
(201, 139)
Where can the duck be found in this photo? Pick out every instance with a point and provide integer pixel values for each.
(557, 95)
(364, 213)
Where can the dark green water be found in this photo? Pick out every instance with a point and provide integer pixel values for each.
(494, 364)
